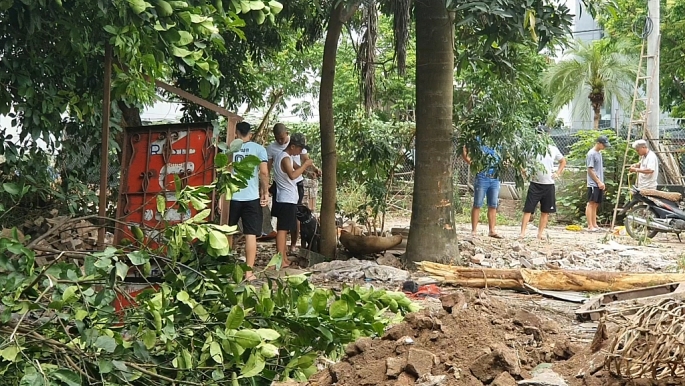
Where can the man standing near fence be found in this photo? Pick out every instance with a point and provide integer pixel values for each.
(485, 185)
(542, 189)
(595, 181)
(648, 168)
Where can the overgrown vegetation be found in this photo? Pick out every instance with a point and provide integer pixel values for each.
(63, 323)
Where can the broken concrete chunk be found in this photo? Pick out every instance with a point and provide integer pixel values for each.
(488, 366)
(432, 380)
(420, 362)
(395, 366)
(545, 378)
(504, 379)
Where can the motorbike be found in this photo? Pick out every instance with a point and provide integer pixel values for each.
(652, 211)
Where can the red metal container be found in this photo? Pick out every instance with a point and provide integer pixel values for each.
(152, 155)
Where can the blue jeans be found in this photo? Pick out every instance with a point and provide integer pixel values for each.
(485, 186)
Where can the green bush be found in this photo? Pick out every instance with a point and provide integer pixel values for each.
(572, 193)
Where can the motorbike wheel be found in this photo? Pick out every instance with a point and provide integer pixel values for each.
(638, 231)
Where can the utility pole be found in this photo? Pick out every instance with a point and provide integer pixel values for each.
(653, 41)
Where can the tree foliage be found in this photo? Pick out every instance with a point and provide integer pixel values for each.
(597, 71)
(630, 18)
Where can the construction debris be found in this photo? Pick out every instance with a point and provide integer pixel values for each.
(648, 344)
(559, 280)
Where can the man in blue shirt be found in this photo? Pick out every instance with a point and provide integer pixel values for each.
(247, 203)
(485, 185)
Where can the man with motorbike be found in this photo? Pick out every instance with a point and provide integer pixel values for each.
(595, 181)
(648, 168)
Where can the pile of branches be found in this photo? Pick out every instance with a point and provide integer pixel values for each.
(67, 323)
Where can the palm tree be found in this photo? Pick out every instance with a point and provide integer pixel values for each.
(598, 71)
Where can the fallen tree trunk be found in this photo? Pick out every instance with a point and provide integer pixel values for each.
(556, 280)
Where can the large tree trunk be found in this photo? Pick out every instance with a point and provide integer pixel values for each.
(329, 158)
(432, 233)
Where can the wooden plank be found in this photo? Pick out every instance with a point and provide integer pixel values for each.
(104, 150)
(197, 100)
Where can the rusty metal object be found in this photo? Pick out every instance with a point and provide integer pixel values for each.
(628, 301)
(152, 155)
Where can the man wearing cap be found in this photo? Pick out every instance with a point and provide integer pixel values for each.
(280, 143)
(595, 181)
(648, 168)
(542, 189)
(247, 203)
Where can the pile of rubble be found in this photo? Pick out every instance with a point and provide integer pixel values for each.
(472, 339)
(609, 256)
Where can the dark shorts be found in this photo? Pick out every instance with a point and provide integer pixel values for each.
(540, 193)
(300, 192)
(251, 214)
(595, 194)
(287, 216)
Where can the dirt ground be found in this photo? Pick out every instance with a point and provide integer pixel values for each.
(495, 337)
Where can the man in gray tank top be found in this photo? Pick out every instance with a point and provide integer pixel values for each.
(286, 173)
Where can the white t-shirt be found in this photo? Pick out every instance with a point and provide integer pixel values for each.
(286, 189)
(274, 149)
(544, 177)
(648, 181)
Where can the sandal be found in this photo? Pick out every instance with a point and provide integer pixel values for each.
(495, 236)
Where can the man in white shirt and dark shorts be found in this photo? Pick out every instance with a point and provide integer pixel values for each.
(648, 168)
(542, 189)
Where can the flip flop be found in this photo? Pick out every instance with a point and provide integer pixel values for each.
(495, 236)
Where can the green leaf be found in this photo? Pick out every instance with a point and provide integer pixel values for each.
(320, 301)
(216, 353)
(111, 29)
(122, 270)
(161, 204)
(67, 376)
(238, 274)
(339, 309)
(255, 364)
(106, 343)
(276, 261)
(180, 52)
(11, 188)
(138, 257)
(69, 293)
(183, 297)
(221, 160)
(9, 353)
(218, 375)
(268, 350)
(105, 366)
(256, 5)
(201, 312)
(184, 39)
(81, 314)
(217, 240)
(149, 339)
(235, 145)
(247, 338)
(235, 318)
(268, 334)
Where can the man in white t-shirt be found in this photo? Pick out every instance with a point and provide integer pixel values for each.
(648, 168)
(280, 143)
(542, 189)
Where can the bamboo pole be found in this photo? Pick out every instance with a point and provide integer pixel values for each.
(556, 280)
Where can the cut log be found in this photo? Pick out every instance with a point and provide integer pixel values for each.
(364, 245)
(556, 280)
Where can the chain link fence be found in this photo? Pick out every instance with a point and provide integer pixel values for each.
(672, 141)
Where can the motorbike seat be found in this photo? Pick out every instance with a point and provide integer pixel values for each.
(671, 196)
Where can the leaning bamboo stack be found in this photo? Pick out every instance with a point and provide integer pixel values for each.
(648, 344)
(554, 280)
(670, 164)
